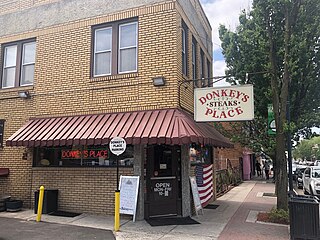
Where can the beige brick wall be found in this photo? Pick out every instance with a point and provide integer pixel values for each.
(83, 190)
(63, 87)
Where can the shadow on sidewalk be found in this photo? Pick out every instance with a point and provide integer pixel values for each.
(262, 179)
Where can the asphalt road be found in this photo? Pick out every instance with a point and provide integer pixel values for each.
(16, 229)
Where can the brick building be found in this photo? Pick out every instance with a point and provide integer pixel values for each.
(75, 73)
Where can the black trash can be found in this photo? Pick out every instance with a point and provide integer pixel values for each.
(3, 200)
(304, 217)
(50, 201)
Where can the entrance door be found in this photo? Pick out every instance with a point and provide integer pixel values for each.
(163, 181)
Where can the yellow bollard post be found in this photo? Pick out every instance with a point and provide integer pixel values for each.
(117, 211)
(40, 203)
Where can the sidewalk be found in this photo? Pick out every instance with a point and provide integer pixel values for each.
(235, 218)
(243, 224)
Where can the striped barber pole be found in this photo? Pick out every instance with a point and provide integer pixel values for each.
(204, 182)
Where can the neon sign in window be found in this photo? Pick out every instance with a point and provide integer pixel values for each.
(84, 154)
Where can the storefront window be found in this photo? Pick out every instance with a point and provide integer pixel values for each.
(200, 154)
(81, 156)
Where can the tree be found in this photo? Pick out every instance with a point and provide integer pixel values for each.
(308, 149)
(277, 47)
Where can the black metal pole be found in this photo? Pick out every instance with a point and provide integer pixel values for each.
(117, 157)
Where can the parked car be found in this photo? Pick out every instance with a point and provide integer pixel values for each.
(298, 177)
(311, 180)
(316, 163)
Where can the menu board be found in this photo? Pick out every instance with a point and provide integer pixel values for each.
(195, 194)
(129, 186)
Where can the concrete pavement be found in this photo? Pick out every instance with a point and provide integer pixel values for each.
(228, 221)
(243, 224)
(16, 229)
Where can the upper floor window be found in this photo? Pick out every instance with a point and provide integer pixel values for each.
(115, 48)
(128, 47)
(201, 69)
(210, 80)
(18, 64)
(201, 64)
(184, 49)
(194, 59)
(102, 51)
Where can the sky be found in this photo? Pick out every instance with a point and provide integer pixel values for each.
(224, 12)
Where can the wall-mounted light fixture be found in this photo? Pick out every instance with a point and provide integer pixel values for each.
(24, 94)
(158, 81)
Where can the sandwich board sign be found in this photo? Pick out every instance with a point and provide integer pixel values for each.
(129, 186)
(195, 194)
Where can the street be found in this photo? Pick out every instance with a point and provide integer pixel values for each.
(16, 229)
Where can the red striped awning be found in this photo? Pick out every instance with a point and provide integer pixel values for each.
(170, 126)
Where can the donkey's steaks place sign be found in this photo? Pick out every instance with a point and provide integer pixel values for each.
(234, 103)
(117, 145)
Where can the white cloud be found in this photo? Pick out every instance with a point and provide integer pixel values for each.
(224, 12)
(219, 68)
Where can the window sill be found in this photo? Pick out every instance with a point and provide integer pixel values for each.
(114, 77)
(15, 89)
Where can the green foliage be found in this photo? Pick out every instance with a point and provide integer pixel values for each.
(277, 46)
(252, 134)
(291, 127)
(308, 149)
(279, 216)
(247, 51)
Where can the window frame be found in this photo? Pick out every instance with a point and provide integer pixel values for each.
(95, 52)
(4, 67)
(194, 59)
(115, 45)
(210, 80)
(184, 48)
(27, 64)
(202, 69)
(18, 62)
(201, 72)
(136, 47)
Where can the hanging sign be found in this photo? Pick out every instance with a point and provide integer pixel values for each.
(234, 103)
(271, 121)
(117, 145)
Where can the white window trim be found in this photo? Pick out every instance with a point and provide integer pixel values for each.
(194, 57)
(133, 46)
(6, 67)
(26, 64)
(105, 51)
(201, 66)
(184, 57)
